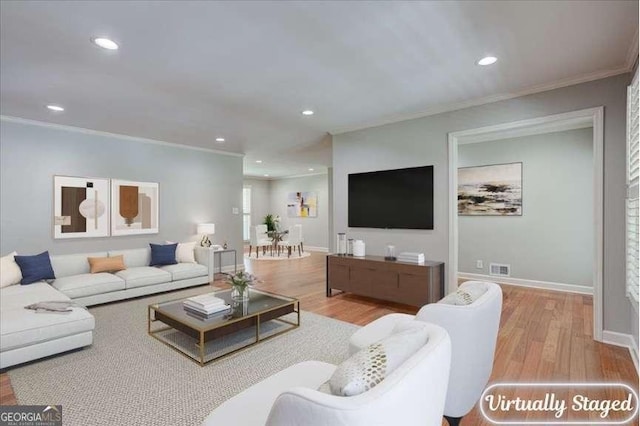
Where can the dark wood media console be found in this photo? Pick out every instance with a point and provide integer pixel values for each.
(373, 276)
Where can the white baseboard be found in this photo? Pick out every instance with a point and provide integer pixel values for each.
(547, 285)
(230, 268)
(320, 249)
(624, 340)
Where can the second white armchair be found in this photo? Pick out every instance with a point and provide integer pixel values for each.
(473, 329)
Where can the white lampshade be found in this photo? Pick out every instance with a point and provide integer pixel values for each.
(206, 229)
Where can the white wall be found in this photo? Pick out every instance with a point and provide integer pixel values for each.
(195, 187)
(314, 229)
(423, 141)
(553, 239)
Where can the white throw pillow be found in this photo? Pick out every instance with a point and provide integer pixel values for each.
(185, 252)
(369, 366)
(10, 273)
(467, 293)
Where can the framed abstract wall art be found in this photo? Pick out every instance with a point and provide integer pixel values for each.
(134, 207)
(302, 204)
(494, 190)
(80, 207)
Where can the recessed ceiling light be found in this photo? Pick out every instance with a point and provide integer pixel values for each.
(310, 170)
(487, 60)
(56, 108)
(105, 43)
(266, 175)
(307, 112)
(259, 161)
(219, 139)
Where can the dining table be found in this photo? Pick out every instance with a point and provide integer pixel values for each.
(276, 236)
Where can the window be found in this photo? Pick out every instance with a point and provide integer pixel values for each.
(246, 212)
(633, 166)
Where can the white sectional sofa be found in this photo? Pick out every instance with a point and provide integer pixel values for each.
(74, 279)
(26, 335)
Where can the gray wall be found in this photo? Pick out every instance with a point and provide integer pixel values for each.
(553, 239)
(195, 187)
(260, 199)
(314, 229)
(423, 141)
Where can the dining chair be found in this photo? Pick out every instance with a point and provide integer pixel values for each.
(258, 239)
(293, 241)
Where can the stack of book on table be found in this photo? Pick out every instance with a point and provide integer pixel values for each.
(411, 257)
(205, 306)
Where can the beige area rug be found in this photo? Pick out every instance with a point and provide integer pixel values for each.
(129, 378)
(283, 256)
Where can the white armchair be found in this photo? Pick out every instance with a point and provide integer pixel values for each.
(258, 238)
(294, 240)
(290, 397)
(473, 330)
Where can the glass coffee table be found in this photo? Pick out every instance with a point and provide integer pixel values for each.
(263, 316)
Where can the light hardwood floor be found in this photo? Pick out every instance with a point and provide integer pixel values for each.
(544, 335)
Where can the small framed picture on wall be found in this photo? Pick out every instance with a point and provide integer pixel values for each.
(80, 207)
(134, 207)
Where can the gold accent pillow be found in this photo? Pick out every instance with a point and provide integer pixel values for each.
(106, 264)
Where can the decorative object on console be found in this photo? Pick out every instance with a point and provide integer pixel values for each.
(106, 264)
(163, 254)
(358, 248)
(302, 204)
(272, 221)
(35, 268)
(341, 244)
(134, 207)
(9, 270)
(494, 190)
(408, 257)
(390, 252)
(240, 282)
(206, 229)
(80, 207)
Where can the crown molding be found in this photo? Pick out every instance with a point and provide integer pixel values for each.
(272, 178)
(127, 138)
(299, 176)
(454, 106)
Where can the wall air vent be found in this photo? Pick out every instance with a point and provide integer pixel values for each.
(500, 270)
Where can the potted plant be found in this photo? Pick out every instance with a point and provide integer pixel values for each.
(272, 221)
(240, 283)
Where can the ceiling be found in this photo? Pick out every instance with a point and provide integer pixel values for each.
(188, 72)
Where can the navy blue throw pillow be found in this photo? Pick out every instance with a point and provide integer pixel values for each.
(35, 268)
(163, 254)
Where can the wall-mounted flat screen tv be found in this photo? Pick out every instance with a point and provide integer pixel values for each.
(395, 199)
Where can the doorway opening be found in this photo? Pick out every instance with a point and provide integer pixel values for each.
(593, 118)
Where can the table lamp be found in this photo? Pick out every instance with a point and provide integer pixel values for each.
(206, 229)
